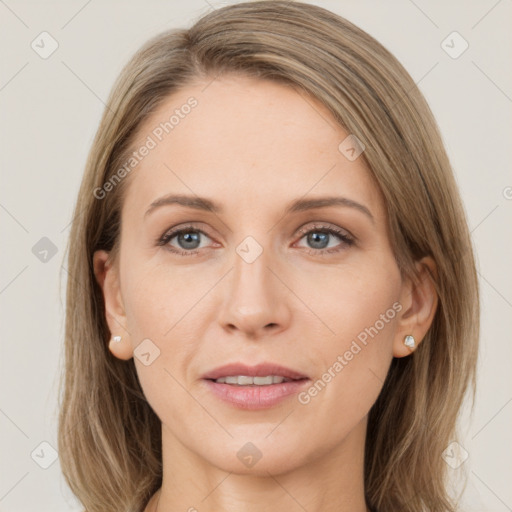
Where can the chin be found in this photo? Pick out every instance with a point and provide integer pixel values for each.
(258, 458)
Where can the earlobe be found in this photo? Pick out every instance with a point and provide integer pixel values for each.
(120, 347)
(420, 302)
(107, 277)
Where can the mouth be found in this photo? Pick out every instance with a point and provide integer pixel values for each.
(254, 387)
(247, 380)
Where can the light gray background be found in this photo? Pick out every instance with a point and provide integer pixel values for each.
(50, 110)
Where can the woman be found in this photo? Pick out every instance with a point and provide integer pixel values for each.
(274, 300)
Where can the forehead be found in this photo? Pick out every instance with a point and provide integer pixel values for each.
(247, 141)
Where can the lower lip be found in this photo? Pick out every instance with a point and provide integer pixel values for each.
(256, 397)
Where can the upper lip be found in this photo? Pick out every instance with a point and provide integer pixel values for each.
(259, 370)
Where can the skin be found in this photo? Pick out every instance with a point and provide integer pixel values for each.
(254, 146)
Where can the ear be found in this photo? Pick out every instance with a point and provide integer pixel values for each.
(419, 301)
(107, 275)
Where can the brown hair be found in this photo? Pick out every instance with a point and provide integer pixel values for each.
(109, 437)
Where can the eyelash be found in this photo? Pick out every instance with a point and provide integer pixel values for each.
(164, 240)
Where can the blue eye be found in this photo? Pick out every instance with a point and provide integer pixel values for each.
(319, 236)
(188, 239)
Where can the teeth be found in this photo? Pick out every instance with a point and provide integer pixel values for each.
(244, 380)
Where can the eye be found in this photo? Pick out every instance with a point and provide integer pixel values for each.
(188, 240)
(319, 237)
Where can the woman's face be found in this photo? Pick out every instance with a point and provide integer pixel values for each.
(268, 279)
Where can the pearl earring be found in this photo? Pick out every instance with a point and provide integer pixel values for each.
(116, 339)
(409, 341)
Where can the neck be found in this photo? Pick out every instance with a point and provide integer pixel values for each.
(328, 482)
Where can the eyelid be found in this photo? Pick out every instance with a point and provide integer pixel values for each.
(176, 230)
(344, 235)
(325, 226)
(192, 225)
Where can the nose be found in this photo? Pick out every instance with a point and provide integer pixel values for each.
(256, 303)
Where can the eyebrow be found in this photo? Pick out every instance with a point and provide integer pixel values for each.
(299, 205)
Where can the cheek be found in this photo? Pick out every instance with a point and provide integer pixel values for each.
(154, 307)
(146, 310)
(332, 306)
(161, 305)
(360, 308)
(350, 301)
(337, 308)
(153, 298)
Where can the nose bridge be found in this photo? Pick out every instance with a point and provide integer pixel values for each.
(255, 300)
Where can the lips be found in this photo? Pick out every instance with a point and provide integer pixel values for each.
(249, 387)
(260, 370)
